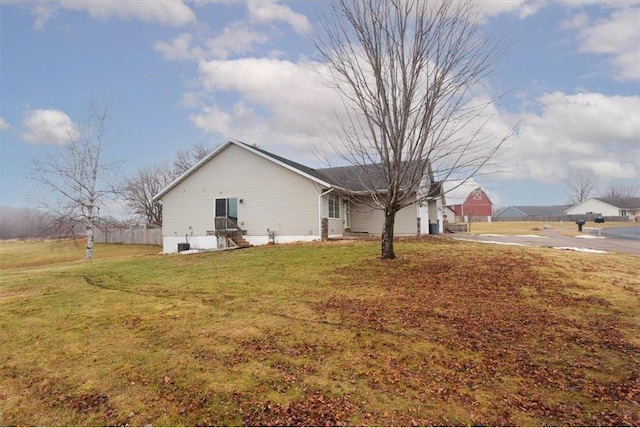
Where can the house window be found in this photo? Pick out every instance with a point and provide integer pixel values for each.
(334, 206)
(227, 207)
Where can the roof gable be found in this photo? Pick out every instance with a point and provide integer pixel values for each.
(358, 178)
(477, 196)
(285, 163)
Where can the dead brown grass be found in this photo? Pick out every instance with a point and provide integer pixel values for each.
(451, 333)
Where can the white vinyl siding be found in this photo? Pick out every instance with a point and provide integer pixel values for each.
(269, 196)
(594, 206)
(367, 219)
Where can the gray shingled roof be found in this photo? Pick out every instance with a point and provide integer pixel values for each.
(624, 203)
(307, 170)
(542, 210)
(355, 178)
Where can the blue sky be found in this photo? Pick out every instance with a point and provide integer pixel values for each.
(177, 73)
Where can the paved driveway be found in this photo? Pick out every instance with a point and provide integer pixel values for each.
(589, 241)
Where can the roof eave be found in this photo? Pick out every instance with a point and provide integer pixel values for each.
(191, 170)
(247, 147)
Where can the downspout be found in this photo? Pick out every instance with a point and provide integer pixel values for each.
(331, 189)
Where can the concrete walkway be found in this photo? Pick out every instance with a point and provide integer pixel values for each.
(552, 238)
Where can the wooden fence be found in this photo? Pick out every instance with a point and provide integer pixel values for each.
(128, 236)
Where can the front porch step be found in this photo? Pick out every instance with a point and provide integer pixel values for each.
(239, 242)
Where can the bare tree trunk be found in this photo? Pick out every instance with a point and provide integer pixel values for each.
(89, 228)
(409, 74)
(75, 177)
(387, 235)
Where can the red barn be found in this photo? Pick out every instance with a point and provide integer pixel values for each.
(477, 207)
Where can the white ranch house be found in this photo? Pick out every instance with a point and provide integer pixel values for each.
(607, 207)
(243, 194)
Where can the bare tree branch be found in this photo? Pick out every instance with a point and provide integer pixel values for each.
(409, 73)
(580, 185)
(621, 189)
(77, 178)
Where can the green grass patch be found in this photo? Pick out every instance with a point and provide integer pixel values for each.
(450, 333)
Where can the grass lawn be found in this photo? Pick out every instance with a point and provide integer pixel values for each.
(450, 333)
(536, 227)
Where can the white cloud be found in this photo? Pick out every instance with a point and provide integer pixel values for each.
(4, 125)
(588, 130)
(279, 102)
(267, 12)
(590, 117)
(43, 13)
(235, 38)
(179, 49)
(577, 22)
(523, 8)
(618, 35)
(47, 126)
(165, 12)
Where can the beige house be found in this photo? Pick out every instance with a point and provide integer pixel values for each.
(243, 194)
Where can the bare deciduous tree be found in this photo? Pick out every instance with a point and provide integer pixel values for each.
(138, 191)
(580, 184)
(409, 73)
(621, 189)
(77, 178)
(187, 158)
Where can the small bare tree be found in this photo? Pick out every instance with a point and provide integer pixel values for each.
(409, 73)
(138, 191)
(580, 184)
(76, 176)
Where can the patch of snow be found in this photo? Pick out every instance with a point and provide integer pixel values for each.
(531, 236)
(582, 250)
(589, 237)
(194, 251)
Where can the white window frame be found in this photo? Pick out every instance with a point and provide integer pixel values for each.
(333, 206)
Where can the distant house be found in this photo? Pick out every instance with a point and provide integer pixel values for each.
(476, 207)
(522, 212)
(240, 193)
(607, 207)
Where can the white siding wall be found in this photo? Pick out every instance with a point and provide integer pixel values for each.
(430, 211)
(272, 197)
(367, 219)
(594, 206)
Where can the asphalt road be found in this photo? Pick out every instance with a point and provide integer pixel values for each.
(550, 238)
(632, 232)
